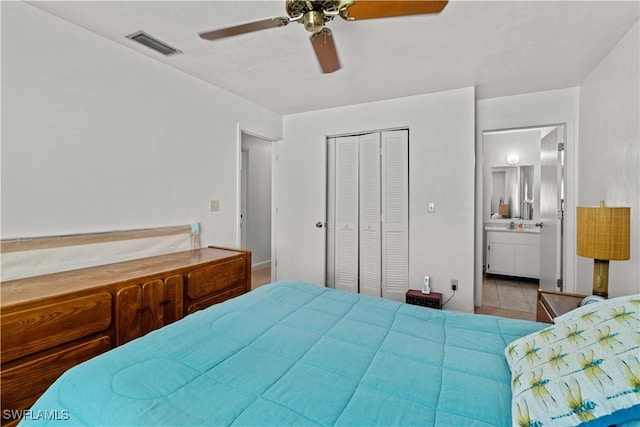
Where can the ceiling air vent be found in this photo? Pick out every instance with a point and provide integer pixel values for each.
(153, 43)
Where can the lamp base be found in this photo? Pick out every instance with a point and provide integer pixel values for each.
(601, 277)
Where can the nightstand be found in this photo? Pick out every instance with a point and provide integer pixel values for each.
(432, 300)
(554, 304)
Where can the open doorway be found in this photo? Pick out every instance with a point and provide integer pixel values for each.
(255, 204)
(523, 207)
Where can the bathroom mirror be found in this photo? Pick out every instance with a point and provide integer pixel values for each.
(512, 192)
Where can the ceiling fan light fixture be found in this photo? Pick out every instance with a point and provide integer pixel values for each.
(297, 8)
(313, 21)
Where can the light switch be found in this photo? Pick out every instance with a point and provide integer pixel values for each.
(214, 205)
(431, 207)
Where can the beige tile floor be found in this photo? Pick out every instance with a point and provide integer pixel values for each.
(510, 294)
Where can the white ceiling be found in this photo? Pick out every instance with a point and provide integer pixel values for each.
(501, 47)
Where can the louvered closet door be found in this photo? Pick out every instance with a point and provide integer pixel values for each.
(346, 235)
(369, 186)
(395, 214)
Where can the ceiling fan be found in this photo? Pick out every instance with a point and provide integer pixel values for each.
(314, 14)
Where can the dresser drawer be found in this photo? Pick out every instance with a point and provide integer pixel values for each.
(209, 280)
(24, 382)
(218, 298)
(32, 330)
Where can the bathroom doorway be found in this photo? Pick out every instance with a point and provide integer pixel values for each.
(523, 198)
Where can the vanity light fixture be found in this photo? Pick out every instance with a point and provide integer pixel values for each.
(513, 159)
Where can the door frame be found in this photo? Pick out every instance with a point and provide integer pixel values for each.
(244, 176)
(241, 129)
(571, 153)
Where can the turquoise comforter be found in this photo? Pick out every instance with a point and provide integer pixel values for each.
(291, 353)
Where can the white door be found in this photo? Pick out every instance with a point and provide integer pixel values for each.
(370, 239)
(551, 208)
(346, 235)
(395, 214)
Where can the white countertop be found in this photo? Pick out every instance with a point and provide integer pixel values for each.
(512, 230)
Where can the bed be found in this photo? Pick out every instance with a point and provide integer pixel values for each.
(292, 353)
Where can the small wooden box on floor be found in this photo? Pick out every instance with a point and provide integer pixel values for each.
(53, 322)
(432, 300)
(554, 304)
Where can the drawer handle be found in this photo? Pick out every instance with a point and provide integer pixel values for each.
(152, 313)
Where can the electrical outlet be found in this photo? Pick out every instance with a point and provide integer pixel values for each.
(454, 284)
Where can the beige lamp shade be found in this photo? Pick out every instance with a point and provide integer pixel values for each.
(604, 232)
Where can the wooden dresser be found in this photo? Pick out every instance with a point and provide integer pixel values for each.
(53, 322)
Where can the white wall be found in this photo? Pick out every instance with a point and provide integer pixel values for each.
(97, 137)
(534, 109)
(258, 210)
(441, 169)
(609, 167)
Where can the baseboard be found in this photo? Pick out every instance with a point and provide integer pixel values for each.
(260, 265)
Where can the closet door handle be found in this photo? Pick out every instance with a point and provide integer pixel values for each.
(319, 224)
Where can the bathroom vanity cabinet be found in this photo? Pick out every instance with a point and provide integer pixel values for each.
(513, 253)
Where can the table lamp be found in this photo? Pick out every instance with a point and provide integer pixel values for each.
(604, 235)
